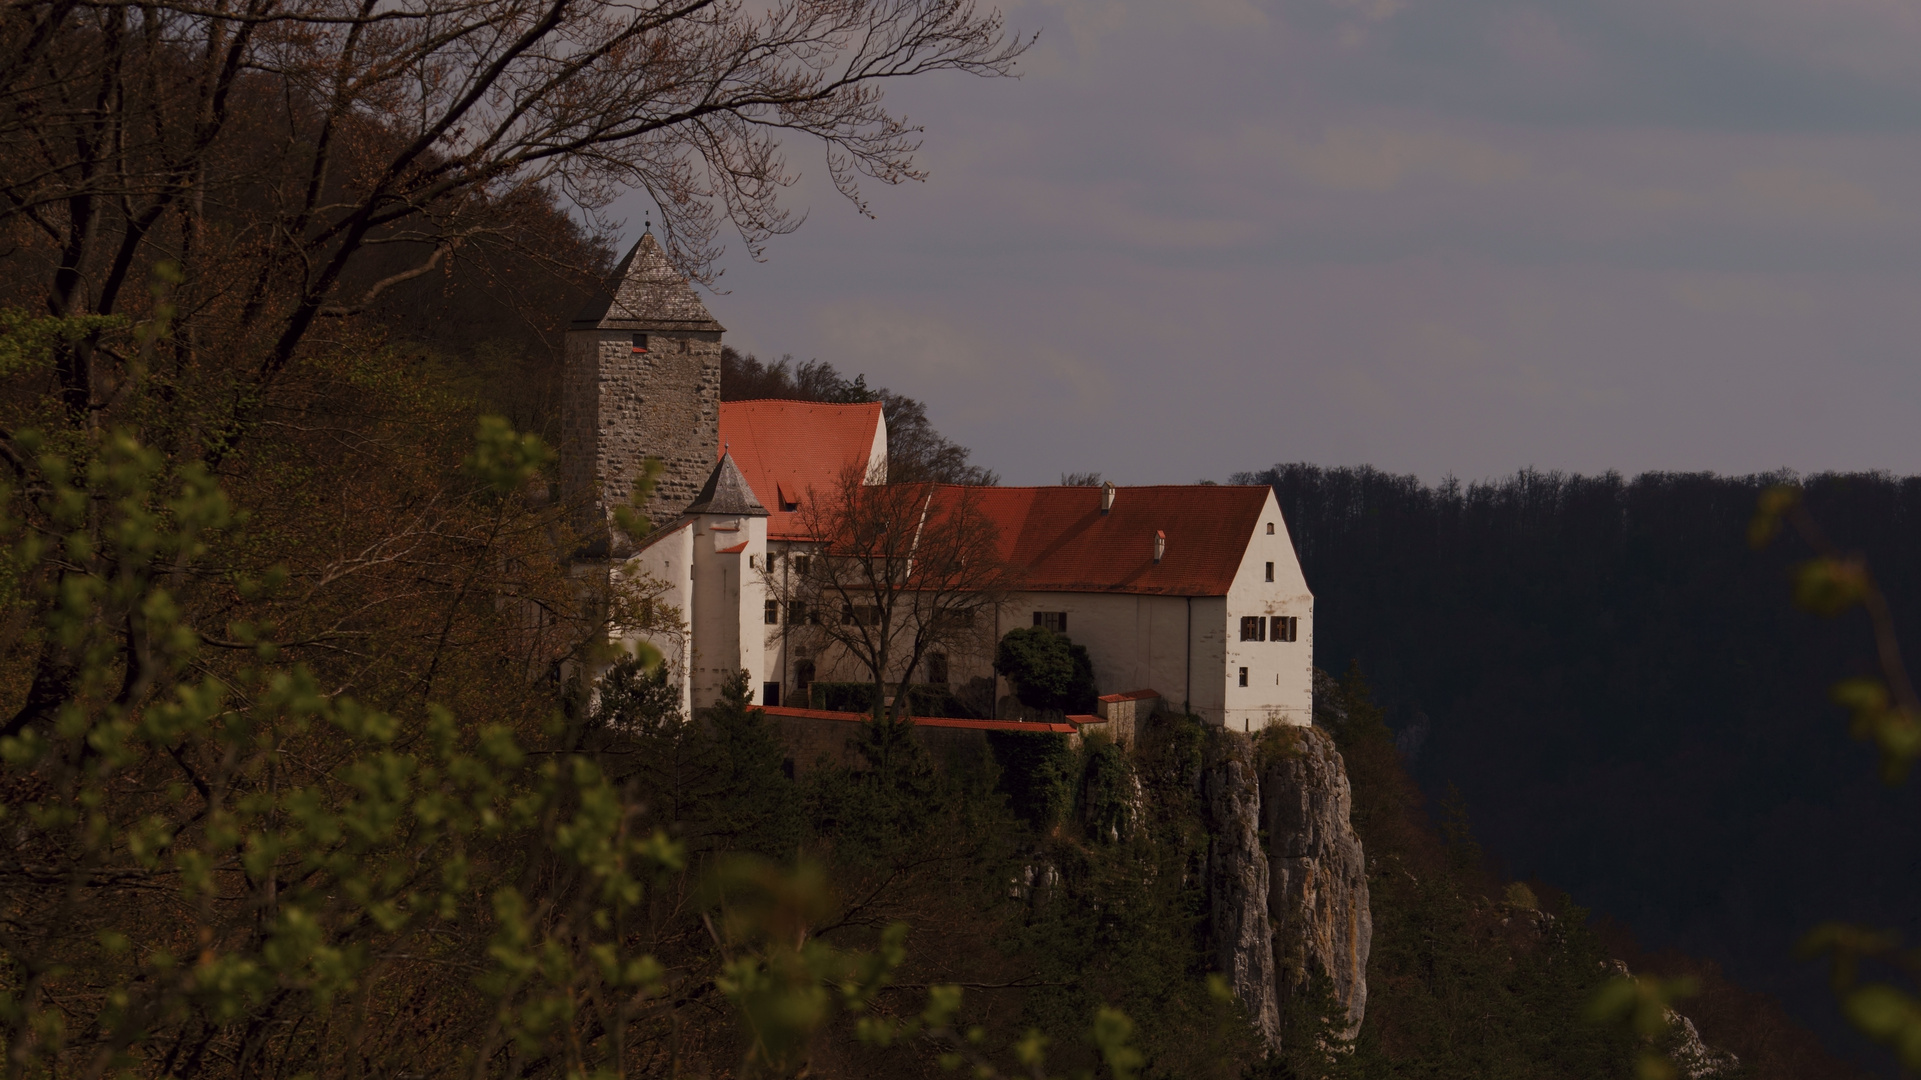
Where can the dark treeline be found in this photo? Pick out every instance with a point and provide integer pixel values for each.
(1624, 696)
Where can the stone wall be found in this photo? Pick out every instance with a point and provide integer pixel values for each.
(618, 408)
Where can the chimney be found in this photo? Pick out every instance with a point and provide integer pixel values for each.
(1160, 544)
(1107, 496)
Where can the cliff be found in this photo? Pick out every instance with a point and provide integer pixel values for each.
(1287, 881)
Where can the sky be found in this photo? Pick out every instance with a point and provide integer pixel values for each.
(1440, 237)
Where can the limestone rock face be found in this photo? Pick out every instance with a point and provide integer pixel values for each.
(1286, 878)
(1317, 875)
(1237, 880)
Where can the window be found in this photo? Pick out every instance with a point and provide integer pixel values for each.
(1286, 628)
(804, 675)
(799, 614)
(1243, 676)
(800, 565)
(640, 344)
(770, 693)
(1270, 571)
(937, 668)
(1053, 620)
(1253, 628)
(773, 613)
(1270, 528)
(859, 616)
(955, 620)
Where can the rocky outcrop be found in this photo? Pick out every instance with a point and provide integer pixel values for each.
(1317, 877)
(1287, 885)
(1238, 886)
(1691, 1057)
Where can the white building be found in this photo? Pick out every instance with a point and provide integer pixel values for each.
(1191, 591)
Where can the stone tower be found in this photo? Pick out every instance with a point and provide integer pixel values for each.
(640, 378)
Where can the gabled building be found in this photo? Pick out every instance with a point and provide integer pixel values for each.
(1191, 591)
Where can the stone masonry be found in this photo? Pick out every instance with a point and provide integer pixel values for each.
(641, 378)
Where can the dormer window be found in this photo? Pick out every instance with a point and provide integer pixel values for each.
(640, 344)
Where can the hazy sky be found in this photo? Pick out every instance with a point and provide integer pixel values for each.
(1431, 235)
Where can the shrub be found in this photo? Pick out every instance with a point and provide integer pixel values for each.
(1047, 669)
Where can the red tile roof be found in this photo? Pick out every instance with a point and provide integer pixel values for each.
(935, 721)
(1060, 541)
(1132, 695)
(786, 447)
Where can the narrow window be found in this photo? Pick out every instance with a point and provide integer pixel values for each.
(1270, 571)
(773, 613)
(937, 668)
(770, 694)
(1270, 528)
(1243, 676)
(1253, 628)
(800, 565)
(804, 675)
(640, 344)
(1053, 620)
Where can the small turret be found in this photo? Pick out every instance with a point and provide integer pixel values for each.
(726, 492)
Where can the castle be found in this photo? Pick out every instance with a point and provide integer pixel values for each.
(1190, 594)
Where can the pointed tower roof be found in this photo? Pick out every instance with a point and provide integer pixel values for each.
(726, 492)
(646, 293)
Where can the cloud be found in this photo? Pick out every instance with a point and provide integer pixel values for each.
(1381, 159)
(1482, 234)
(967, 373)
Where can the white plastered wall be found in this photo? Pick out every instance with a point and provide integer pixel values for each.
(877, 454)
(669, 560)
(1135, 641)
(1280, 686)
(729, 596)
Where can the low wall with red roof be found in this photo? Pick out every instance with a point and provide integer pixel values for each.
(814, 734)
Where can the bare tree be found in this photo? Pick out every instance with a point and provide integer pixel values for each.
(265, 147)
(900, 571)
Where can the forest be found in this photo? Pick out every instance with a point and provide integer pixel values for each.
(1625, 698)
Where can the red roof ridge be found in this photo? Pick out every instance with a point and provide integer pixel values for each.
(1084, 487)
(1131, 695)
(804, 401)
